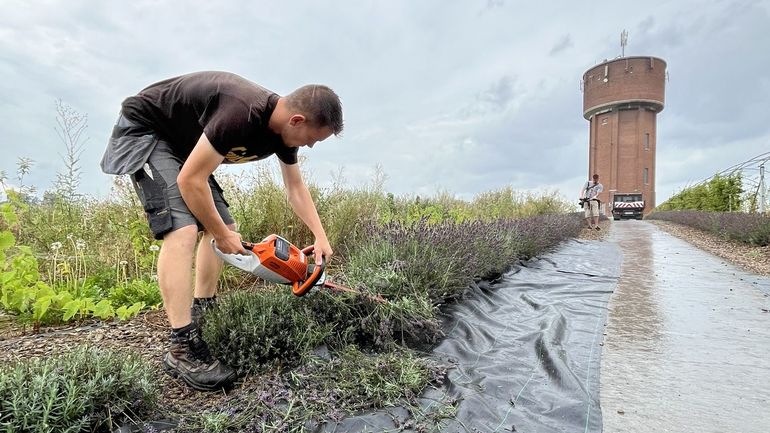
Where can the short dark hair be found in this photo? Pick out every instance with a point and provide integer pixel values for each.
(596, 176)
(319, 104)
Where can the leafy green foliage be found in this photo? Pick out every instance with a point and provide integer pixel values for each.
(84, 390)
(720, 194)
(32, 300)
(136, 291)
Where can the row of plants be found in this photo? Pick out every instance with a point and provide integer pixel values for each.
(413, 269)
(720, 206)
(97, 255)
(401, 276)
(750, 228)
(98, 390)
(719, 194)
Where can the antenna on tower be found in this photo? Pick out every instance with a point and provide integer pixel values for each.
(623, 42)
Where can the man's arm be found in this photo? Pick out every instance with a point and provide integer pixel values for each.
(302, 204)
(193, 181)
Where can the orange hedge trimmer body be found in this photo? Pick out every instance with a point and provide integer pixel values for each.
(279, 261)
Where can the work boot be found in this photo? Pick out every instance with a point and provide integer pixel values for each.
(199, 308)
(189, 359)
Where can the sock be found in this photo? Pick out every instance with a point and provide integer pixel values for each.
(184, 331)
(205, 302)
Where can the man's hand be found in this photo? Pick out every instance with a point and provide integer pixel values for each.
(321, 248)
(230, 243)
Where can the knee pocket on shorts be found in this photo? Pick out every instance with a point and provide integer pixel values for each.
(152, 191)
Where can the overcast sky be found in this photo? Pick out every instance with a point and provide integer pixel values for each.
(458, 96)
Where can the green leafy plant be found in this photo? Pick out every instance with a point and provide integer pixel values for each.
(719, 194)
(87, 389)
(135, 291)
(23, 293)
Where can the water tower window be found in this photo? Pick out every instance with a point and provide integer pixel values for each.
(646, 176)
(647, 141)
(604, 120)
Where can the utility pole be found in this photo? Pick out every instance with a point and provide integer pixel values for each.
(623, 42)
(762, 188)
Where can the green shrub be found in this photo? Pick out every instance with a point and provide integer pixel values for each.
(251, 330)
(84, 390)
(719, 194)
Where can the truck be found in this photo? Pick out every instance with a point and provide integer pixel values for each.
(627, 206)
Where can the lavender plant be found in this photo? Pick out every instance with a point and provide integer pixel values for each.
(750, 228)
(87, 389)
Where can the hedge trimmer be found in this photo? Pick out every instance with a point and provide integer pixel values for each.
(279, 261)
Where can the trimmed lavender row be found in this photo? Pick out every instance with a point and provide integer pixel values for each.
(442, 259)
(744, 227)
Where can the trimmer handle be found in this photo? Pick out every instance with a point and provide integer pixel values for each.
(318, 271)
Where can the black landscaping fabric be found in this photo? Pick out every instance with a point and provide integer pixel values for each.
(525, 349)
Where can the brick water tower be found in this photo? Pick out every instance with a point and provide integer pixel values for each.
(621, 99)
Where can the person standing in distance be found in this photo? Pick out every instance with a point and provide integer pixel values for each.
(170, 138)
(589, 196)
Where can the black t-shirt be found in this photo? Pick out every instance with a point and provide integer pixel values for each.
(232, 111)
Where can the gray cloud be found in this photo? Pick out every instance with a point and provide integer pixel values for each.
(564, 43)
(442, 97)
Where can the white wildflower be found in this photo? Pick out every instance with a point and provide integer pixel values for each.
(55, 246)
(154, 277)
(123, 263)
(69, 236)
(80, 244)
(154, 248)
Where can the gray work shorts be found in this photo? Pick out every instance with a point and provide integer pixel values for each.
(155, 184)
(157, 189)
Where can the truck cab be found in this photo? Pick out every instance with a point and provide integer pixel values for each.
(627, 206)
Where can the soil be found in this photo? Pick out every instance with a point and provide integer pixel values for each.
(596, 235)
(147, 334)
